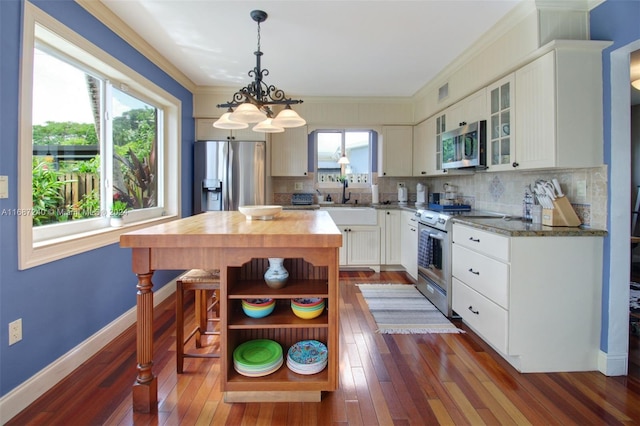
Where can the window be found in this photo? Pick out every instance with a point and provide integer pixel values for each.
(92, 138)
(355, 145)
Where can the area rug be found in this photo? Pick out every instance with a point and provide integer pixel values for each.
(402, 309)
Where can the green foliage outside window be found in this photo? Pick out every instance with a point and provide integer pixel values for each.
(134, 144)
(47, 194)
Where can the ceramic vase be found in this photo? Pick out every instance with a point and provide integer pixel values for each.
(276, 276)
(116, 222)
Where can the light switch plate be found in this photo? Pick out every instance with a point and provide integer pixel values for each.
(4, 186)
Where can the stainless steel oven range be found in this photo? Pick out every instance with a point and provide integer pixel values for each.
(434, 258)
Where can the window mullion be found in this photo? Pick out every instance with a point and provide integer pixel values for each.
(107, 146)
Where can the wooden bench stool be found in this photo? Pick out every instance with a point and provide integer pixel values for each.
(207, 310)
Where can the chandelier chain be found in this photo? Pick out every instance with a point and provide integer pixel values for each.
(258, 92)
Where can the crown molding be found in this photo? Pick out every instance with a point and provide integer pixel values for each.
(118, 26)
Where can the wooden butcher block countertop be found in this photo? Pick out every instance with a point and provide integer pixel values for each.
(300, 228)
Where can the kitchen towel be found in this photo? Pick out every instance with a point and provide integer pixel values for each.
(375, 197)
(425, 249)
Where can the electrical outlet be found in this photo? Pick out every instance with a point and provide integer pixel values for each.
(581, 188)
(4, 186)
(15, 331)
(299, 186)
(400, 185)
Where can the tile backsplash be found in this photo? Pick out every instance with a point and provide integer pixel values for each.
(500, 191)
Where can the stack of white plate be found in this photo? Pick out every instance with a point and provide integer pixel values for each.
(307, 357)
(257, 358)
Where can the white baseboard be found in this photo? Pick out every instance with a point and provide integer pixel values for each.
(30, 390)
(613, 365)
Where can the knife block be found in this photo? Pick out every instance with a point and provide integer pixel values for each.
(562, 214)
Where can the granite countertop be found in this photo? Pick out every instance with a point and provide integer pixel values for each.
(520, 228)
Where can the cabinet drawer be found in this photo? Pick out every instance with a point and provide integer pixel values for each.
(485, 317)
(484, 242)
(487, 276)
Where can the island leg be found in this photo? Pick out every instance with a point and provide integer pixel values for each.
(145, 389)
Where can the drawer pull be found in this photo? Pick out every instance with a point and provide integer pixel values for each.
(474, 239)
(474, 312)
(473, 272)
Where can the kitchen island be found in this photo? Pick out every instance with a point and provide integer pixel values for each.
(238, 247)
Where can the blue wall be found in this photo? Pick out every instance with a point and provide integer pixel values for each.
(64, 302)
(617, 21)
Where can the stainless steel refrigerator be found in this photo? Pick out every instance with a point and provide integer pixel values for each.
(228, 174)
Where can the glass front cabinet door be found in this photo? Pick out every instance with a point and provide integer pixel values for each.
(500, 131)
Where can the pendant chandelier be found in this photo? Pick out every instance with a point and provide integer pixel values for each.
(252, 104)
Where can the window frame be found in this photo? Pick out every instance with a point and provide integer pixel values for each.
(90, 233)
(343, 131)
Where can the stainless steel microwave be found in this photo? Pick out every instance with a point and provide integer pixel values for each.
(465, 146)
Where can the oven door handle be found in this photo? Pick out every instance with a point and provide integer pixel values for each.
(436, 237)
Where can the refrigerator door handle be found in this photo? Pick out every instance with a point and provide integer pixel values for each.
(228, 173)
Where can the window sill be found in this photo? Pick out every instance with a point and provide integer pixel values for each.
(59, 248)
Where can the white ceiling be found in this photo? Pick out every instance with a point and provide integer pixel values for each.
(314, 48)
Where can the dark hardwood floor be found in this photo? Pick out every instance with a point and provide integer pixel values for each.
(384, 379)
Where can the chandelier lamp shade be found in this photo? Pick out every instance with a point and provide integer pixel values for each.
(253, 103)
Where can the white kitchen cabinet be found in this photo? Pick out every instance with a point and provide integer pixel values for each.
(409, 242)
(500, 129)
(470, 109)
(289, 152)
(535, 300)
(206, 132)
(390, 232)
(558, 109)
(394, 150)
(425, 152)
(360, 246)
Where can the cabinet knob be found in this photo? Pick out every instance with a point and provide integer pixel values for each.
(473, 272)
(388, 213)
(474, 312)
(423, 173)
(475, 240)
(515, 164)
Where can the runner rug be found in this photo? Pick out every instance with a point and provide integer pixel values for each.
(402, 309)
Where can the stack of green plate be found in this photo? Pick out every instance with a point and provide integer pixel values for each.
(257, 358)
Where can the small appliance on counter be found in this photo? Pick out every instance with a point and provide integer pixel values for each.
(421, 194)
(403, 195)
(302, 199)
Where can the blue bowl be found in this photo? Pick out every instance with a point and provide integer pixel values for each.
(262, 311)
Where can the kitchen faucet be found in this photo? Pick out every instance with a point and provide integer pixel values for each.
(345, 184)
